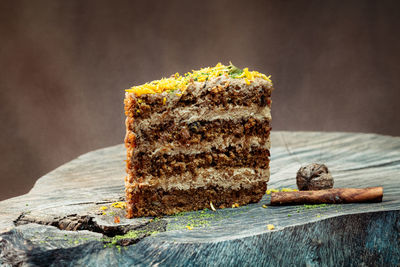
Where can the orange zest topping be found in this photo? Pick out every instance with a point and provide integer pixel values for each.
(179, 82)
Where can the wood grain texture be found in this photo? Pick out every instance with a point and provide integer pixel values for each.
(333, 234)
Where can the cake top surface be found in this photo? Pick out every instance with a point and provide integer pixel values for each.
(181, 82)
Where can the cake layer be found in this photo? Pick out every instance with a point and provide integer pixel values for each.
(177, 163)
(220, 91)
(203, 130)
(226, 178)
(151, 201)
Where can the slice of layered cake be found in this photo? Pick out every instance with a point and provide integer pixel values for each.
(199, 140)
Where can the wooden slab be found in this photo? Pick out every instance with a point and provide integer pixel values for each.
(352, 234)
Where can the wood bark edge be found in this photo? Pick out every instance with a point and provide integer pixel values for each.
(328, 196)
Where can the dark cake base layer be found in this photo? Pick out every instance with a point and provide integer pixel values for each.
(149, 201)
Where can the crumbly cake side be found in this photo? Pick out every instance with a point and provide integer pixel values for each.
(206, 142)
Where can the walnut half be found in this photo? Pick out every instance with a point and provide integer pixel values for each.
(314, 177)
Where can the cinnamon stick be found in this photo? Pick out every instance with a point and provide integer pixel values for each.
(328, 196)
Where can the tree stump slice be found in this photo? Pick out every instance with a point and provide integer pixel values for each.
(71, 196)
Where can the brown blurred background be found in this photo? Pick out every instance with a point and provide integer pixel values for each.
(64, 65)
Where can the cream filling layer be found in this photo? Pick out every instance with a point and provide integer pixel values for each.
(191, 114)
(233, 178)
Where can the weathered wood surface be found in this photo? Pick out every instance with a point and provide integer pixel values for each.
(349, 234)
